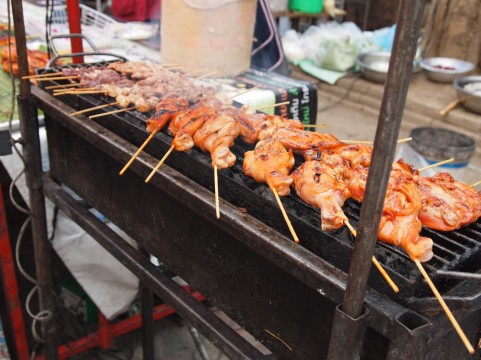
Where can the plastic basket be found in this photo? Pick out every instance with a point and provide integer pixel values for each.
(98, 27)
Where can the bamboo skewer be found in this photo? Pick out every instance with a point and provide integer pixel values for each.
(111, 112)
(376, 263)
(451, 106)
(59, 93)
(207, 75)
(476, 183)
(216, 193)
(315, 125)
(400, 141)
(245, 91)
(273, 105)
(72, 85)
(57, 78)
(436, 164)
(93, 108)
(448, 312)
(41, 75)
(139, 150)
(286, 218)
(195, 72)
(159, 164)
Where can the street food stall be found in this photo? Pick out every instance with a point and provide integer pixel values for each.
(315, 297)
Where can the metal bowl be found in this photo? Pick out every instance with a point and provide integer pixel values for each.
(374, 65)
(443, 69)
(468, 89)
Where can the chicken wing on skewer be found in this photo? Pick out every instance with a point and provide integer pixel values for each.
(216, 136)
(317, 183)
(270, 163)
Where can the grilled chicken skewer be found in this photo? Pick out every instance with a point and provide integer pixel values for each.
(271, 163)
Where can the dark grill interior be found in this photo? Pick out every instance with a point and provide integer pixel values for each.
(456, 250)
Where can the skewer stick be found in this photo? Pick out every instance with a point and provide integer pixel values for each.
(476, 183)
(450, 107)
(400, 141)
(451, 318)
(207, 75)
(79, 92)
(376, 263)
(58, 78)
(196, 71)
(111, 112)
(159, 164)
(436, 164)
(315, 125)
(139, 150)
(245, 92)
(273, 105)
(41, 75)
(286, 218)
(216, 193)
(56, 91)
(73, 85)
(93, 108)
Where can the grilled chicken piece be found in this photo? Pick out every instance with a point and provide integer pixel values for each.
(273, 123)
(321, 186)
(270, 163)
(447, 204)
(165, 110)
(249, 125)
(301, 141)
(216, 136)
(400, 224)
(185, 123)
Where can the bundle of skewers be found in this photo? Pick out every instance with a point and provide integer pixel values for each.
(332, 172)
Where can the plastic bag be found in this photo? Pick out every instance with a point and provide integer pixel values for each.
(331, 45)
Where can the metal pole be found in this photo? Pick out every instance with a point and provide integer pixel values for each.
(33, 175)
(400, 67)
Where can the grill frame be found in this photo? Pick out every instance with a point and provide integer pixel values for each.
(387, 320)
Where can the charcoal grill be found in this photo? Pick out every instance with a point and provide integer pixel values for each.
(245, 263)
(291, 289)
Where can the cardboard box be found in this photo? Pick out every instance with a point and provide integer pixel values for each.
(271, 88)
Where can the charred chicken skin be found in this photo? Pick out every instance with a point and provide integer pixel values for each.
(270, 163)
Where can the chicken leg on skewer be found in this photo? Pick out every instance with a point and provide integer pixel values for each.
(317, 183)
(270, 163)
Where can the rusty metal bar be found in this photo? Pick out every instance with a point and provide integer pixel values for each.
(33, 174)
(400, 67)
